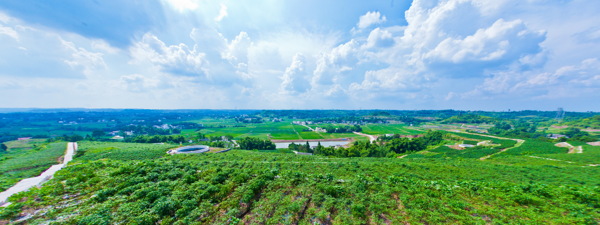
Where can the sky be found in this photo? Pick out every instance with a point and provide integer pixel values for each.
(301, 54)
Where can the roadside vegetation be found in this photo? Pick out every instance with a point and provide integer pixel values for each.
(421, 167)
(255, 187)
(27, 158)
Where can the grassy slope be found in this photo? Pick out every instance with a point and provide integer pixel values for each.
(389, 129)
(23, 160)
(254, 187)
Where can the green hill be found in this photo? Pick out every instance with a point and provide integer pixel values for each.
(590, 123)
(111, 185)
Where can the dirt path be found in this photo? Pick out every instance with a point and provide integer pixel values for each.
(372, 138)
(518, 144)
(28, 183)
(558, 160)
(572, 149)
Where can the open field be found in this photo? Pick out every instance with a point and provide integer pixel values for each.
(121, 151)
(27, 158)
(260, 187)
(272, 130)
(401, 129)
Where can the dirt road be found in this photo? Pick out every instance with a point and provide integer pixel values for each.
(27, 183)
(372, 138)
(572, 149)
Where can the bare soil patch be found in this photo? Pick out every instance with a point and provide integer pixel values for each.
(597, 143)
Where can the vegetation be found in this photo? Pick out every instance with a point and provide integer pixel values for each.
(255, 143)
(469, 118)
(253, 187)
(591, 122)
(414, 175)
(27, 158)
(342, 129)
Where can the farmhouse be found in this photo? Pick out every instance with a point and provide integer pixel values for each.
(557, 136)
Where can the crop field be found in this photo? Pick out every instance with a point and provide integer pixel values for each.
(446, 152)
(590, 155)
(275, 130)
(504, 143)
(251, 187)
(27, 158)
(401, 129)
(121, 151)
(536, 147)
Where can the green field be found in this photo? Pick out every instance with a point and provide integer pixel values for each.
(121, 151)
(251, 187)
(401, 129)
(273, 130)
(27, 158)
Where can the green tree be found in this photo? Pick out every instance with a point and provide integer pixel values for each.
(98, 133)
(3, 147)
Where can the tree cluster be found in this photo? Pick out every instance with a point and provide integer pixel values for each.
(156, 139)
(343, 129)
(251, 143)
(301, 147)
(391, 148)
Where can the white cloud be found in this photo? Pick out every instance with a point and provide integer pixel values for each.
(222, 13)
(174, 59)
(83, 59)
(237, 52)
(488, 44)
(294, 80)
(379, 38)
(9, 32)
(370, 18)
(183, 5)
(137, 83)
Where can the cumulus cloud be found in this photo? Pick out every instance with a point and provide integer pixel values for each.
(294, 79)
(331, 65)
(379, 38)
(82, 59)
(501, 40)
(222, 13)
(236, 53)
(174, 59)
(370, 18)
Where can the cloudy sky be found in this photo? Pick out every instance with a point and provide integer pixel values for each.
(301, 54)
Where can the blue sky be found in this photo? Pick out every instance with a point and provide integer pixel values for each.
(299, 54)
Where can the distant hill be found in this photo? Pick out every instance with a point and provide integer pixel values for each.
(591, 122)
(469, 118)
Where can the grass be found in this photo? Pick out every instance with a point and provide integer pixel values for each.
(28, 159)
(504, 143)
(253, 187)
(535, 147)
(447, 152)
(121, 151)
(401, 129)
(590, 155)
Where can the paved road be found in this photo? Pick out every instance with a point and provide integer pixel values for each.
(25, 184)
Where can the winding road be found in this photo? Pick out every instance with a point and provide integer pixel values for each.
(28, 183)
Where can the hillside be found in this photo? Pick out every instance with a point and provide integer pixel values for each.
(589, 123)
(110, 185)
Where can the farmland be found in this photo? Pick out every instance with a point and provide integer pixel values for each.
(519, 175)
(255, 187)
(27, 158)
